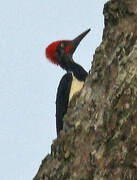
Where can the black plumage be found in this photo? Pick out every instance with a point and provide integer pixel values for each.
(62, 100)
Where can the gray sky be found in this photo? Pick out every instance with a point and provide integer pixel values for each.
(28, 81)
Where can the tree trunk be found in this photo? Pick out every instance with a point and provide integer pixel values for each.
(99, 139)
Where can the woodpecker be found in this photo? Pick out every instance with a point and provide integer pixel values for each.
(61, 53)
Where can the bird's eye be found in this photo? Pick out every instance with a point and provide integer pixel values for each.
(62, 45)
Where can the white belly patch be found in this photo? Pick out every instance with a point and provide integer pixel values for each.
(75, 87)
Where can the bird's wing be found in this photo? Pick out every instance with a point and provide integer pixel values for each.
(62, 100)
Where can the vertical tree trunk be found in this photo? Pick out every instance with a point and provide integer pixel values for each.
(99, 140)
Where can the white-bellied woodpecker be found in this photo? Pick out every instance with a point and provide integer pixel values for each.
(60, 53)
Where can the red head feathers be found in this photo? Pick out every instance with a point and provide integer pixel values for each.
(50, 52)
(51, 49)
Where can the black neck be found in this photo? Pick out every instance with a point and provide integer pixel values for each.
(78, 71)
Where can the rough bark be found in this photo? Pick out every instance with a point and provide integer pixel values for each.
(99, 140)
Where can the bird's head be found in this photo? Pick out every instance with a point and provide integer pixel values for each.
(60, 52)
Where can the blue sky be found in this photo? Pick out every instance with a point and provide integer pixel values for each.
(28, 81)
